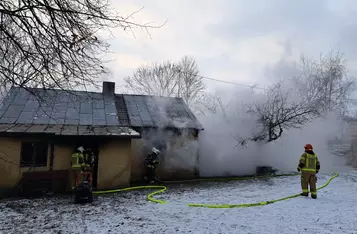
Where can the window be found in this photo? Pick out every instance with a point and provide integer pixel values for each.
(34, 154)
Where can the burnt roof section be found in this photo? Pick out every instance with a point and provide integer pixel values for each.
(61, 107)
(153, 111)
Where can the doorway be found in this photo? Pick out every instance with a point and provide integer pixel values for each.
(92, 144)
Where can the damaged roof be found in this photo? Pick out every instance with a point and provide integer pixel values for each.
(80, 111)
(153, 111)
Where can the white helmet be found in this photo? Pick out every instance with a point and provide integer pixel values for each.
(81, 149)
(154, 150)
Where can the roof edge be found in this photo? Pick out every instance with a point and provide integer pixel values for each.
(69, 130)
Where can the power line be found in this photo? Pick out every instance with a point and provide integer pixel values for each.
(245, 85)
(234, 83)
(218, 80)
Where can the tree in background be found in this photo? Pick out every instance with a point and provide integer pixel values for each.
(56, 43)
(320, 87)
(174, 79)
(325, 83)
(277, 113)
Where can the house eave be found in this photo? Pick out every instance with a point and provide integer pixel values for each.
(68, 130)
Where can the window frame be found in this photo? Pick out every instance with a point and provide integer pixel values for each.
(34, 163)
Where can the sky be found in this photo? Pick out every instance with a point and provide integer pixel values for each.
(233, 40)
(247, 42)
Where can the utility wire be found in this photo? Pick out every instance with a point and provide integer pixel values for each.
(233, 83)
(244, 85)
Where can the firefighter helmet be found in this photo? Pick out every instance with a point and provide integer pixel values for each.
(308, 147)
(155, 151)
(80, 149)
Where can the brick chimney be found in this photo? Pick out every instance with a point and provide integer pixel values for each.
(108, 88)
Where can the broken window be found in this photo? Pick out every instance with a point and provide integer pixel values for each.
(34, 154)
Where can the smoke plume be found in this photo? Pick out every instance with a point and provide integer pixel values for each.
(220, 154)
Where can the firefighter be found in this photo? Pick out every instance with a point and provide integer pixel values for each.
(89, 160)
(151, 162)
(77, 164)
(309, 165)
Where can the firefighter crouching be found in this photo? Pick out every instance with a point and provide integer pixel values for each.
(151, 162)
(309, 165)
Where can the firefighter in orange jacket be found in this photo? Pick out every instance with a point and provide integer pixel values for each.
(309, 165)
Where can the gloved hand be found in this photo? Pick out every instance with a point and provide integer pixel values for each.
(298, 169)
(317, 171)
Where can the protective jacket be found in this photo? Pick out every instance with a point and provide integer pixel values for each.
(77, 160)
(309, 162)
(152, 160)
(89, 157)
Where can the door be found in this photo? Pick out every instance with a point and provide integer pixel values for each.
(92, 144)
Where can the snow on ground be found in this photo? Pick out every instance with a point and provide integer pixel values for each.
(334, 211)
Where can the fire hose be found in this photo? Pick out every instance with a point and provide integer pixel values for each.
(161, 189)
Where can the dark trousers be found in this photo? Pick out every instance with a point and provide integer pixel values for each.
(150, 173)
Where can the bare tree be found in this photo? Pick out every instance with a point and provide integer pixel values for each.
(190, 85)
(210, 103)
(172, 79)
(320, 87)
(56, 43)
(160, 79)
(276, 114)
(325, 83)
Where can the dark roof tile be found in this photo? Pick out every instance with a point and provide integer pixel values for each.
(88, 108)
(151, 111)
(59, 107)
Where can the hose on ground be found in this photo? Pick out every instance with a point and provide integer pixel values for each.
(162, 189)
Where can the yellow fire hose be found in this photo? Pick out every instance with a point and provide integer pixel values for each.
(163, 188)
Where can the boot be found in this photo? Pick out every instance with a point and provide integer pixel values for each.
(304, 194)
(313, 196)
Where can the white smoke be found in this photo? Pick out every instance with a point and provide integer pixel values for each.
(220, 155)
(179, 150)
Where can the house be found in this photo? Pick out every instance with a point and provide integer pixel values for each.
(37, 139)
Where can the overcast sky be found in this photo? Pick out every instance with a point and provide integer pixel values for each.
(234, 40)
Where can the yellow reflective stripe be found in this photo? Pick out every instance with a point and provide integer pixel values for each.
(311, 155)
(305, 190)
(312, 158)
(313, 193)
(76, 160)
(307, 161)
(308, 169)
